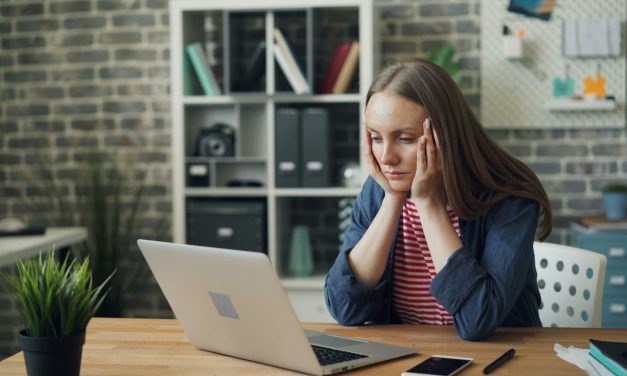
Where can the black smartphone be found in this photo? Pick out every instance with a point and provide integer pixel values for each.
(439, 365)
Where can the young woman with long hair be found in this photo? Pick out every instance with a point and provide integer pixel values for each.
(442, 231)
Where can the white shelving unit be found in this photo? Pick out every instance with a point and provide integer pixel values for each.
(253, 117)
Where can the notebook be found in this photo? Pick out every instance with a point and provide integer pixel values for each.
(232, 302)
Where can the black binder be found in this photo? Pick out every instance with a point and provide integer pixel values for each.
(287, 148)
(315, 146)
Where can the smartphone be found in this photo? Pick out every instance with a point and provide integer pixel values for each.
(439, 365)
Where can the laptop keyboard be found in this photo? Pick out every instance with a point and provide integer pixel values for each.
(328, 356)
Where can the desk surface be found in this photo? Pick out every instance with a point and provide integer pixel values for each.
(15, 247)
(159, 347)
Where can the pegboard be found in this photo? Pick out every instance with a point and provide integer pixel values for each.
(514, 93)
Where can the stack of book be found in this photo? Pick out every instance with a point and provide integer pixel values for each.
(196, 57)
(289, 64)
(612, 355)
(342, 69)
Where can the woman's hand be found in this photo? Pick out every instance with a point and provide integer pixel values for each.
(373, 167)
(427, 186)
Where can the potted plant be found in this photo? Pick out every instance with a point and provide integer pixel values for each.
(56, 301)
(615, 201)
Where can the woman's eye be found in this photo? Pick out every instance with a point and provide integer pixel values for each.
(406, 140)
(375, 138)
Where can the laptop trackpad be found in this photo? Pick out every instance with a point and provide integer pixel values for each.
(333, 341)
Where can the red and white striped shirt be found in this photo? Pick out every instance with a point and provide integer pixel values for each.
(413, 272)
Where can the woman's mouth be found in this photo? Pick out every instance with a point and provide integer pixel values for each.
(395, 175)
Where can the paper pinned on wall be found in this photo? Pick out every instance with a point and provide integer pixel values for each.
(592, 38)
(614, 36)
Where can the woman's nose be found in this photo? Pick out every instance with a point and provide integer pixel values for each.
(388, 155)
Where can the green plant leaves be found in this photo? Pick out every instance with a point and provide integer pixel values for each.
(615, 187)
(56, 299)
(443, 57)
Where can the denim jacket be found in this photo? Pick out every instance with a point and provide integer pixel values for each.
(488, 283)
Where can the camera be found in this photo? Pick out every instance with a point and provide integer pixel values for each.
(217, 140)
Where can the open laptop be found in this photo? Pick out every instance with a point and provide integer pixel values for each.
(232, 302)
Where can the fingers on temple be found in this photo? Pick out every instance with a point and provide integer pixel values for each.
(422, 158)
(431, 143)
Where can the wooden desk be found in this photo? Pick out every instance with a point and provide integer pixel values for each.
(22, 247)
(159, 347)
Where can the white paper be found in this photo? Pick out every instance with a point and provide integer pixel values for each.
(592, 36)
(570, 38)
(614, 36)
(582, 359)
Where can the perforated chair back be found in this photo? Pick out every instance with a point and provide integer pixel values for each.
(571, 284)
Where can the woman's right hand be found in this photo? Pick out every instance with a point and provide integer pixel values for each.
(372, 166)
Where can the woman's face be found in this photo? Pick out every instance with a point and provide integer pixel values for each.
(395, 124)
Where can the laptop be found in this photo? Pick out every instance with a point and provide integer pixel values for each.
(232, 302)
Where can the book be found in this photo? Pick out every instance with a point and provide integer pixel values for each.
(348, 70)
(288, 71)
(287, 148)
(203, 71)
(254, 69)
(292, 64)
(613, 355)
(341, 51)
(601, 223)
(188, 79)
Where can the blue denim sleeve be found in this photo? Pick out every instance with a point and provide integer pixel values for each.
(349, 301)
(479, 292)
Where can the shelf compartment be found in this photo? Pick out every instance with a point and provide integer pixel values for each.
(204, 27)
(252, 130)
(343, 138)
(320, 215)
(236, 223)
(295, 27)
(199, 118)
(331, 27)
(230, 172)
(245, 51)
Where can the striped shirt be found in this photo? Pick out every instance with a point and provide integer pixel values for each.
(413, 272)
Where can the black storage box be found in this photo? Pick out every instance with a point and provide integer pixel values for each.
(234, 224)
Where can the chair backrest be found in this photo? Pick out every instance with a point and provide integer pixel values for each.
(571, 285)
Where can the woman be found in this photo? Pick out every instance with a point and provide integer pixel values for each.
(443, 229)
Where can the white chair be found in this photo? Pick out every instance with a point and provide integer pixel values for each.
(571, 285)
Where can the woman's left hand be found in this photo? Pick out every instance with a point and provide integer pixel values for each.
(427, 185)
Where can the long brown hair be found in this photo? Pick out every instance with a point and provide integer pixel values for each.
(477, 172)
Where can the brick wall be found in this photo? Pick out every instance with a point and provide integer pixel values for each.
(80, 75)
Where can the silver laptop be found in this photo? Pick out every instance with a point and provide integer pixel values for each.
(232, 302)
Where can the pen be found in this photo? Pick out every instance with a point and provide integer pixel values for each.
(499, 361)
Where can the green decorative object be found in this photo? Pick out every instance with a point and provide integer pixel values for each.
(301, 259)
